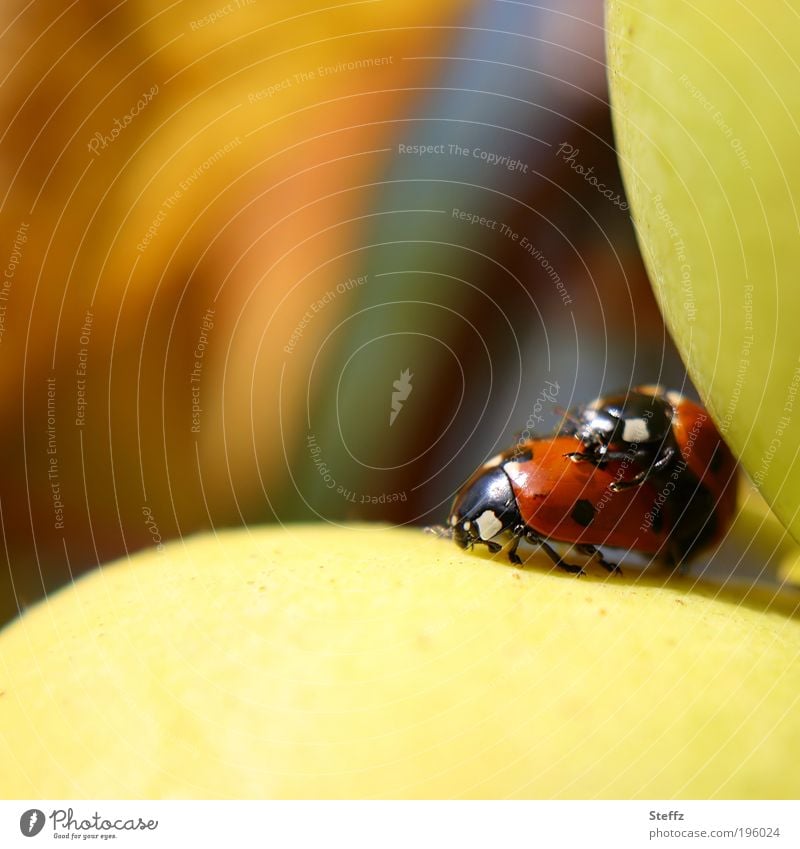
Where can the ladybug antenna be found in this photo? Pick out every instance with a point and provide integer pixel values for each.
(566, 415)
(439, 531)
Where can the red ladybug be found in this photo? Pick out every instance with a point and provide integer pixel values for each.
(662, 431)
(666, 503)
(635, 425)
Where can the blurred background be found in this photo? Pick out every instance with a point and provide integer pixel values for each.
(270, 263)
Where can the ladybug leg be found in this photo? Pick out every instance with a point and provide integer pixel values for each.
(679, 562)
(594, 552)
(512, 551)
(597, 454)
(637, 480)
(657, 466)
(674, 559)
(582, 457)
(594, 451)
(535, 539)
(663, 460)
(619, 455)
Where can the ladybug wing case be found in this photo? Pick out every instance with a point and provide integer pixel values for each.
(574, 502)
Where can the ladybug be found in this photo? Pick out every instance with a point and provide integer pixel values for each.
(660, 430)
(637, 426)
(668, 493)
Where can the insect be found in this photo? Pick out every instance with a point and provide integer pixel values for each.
(668, 493)
(637, 425)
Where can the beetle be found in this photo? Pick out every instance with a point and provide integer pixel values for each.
(638, 423)
(619, 497)
(661, 430)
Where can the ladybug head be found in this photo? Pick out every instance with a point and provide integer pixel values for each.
(633, 417)
(484, 508)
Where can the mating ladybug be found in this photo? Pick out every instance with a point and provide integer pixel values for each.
(645, 471)
(637, 426)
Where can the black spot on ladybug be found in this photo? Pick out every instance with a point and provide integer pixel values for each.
(583, 512)
(658, 521)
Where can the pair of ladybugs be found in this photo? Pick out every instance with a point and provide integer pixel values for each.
(644, 471)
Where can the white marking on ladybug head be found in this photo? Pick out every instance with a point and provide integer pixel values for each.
(453, 520)
(650, 389)
(517, 476)
(675, 398)
(599, 422)
(493, 462)
(635, 430)
(488, 524)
